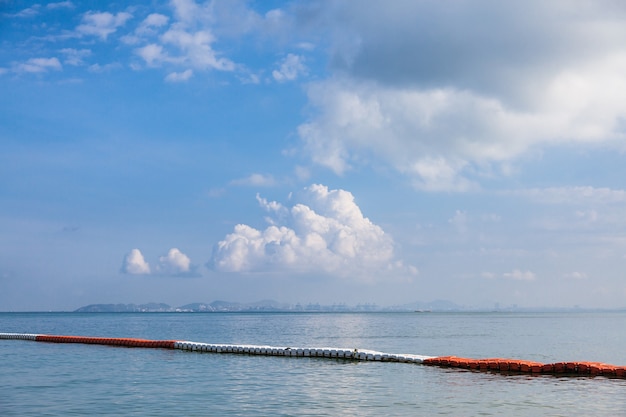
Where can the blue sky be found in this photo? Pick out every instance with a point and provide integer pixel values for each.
(326, 151)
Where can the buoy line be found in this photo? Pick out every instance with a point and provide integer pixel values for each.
(502, 365)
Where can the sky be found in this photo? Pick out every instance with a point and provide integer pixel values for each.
(313, 152)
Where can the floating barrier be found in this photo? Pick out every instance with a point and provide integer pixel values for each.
(328, 352)
(501, 365)
(529, 367)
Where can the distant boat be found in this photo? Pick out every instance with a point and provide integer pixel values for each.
(423, 311)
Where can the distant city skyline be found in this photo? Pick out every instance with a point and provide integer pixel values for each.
(312, 152)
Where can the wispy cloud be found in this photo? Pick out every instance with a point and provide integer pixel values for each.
(60, 5)
(38, 65)
(74, 56)
(575, 275)
(291, 67)
(102, 24)
(573, 195)
(26, 13)
(519, 275)
(256, 180)
(176, 77)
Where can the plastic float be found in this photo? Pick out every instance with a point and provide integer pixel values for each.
(501, 365)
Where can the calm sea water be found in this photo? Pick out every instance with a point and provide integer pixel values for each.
(39, 379)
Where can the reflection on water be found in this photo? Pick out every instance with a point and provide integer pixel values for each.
(41, 378)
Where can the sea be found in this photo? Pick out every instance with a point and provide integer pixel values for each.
(48, 379)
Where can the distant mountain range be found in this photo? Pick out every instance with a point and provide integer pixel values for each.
(438, 306)
(264, 305)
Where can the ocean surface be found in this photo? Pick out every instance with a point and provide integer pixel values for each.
(46, 379)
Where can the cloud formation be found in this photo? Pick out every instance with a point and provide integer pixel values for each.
(290, 68)
(575, 195)
(446, 103)
(135, 264)
(325, 232)
(176, 77)
(174, 263)
(257, 180)
(102, 24)
(519, 275)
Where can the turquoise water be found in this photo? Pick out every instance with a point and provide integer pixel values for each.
(73, 379)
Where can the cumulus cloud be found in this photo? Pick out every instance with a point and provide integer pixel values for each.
(135, 264)
(195, 48)
(151, 23)
(446, 102)
(152, 54)
(186, 10)
(182, 47)
(174, 263)
(102, 24)
(325, 232)
(148, 28)
(188, 39)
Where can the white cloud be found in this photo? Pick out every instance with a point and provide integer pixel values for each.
(179, 47)
(326, 232)
(186, 10)
(60, 5)
(38, 65)
(440, 137)
(519, 275)
(26, 13)
(150, 23)
(149, 27)
(196, 50)
(176, 77)
(459, 221)
(97, 68)
(174, 263)
(576, 275)
(188, 39)
(589, 216)
(574, 195)
(290, 68)
(75, 56)
(135, 264)
(102, 24)
(153, 54)
(302, 173)
(446, 103)
(256, 180)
